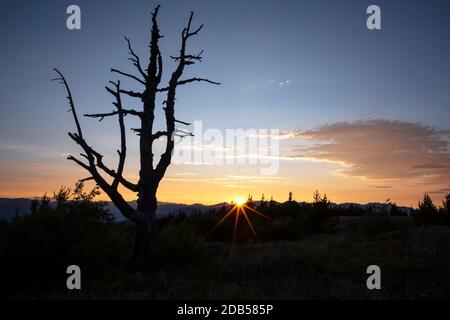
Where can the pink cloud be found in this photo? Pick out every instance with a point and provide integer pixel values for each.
(382, 149)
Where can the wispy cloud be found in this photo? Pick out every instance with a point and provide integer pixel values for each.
(439, 191)
(226, 180)
(280, 84)
(382, 149)
(284, 83)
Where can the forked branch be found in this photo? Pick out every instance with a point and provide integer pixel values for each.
(135, 59)
(128, 75)
(95, 159)
(169, 110)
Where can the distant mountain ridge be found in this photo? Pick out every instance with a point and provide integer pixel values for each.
(9, 207)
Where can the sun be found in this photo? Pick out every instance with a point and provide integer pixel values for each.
(240, 209)
(239, 201)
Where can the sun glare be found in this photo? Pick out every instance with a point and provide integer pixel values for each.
(239, 201)
(240, 208)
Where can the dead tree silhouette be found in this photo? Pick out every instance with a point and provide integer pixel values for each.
(149, 175)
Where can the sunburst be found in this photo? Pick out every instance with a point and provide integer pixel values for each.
(240, 208)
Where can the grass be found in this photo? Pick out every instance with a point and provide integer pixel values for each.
(295, 260)
(414, 263)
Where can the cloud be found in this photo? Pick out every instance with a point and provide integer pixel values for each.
(279, 84)
(382, 149)
(439, 191)
(238, 186)
(227, 180)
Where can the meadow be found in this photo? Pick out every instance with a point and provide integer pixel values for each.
(308, 251)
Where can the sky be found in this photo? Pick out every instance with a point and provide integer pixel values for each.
(363, 115)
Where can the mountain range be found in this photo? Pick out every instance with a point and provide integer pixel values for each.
(9, 207)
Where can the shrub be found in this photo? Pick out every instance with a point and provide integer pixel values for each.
(178, 245)
(287, 228)
(37, 248)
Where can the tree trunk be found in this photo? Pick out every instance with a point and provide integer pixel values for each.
(145, 232)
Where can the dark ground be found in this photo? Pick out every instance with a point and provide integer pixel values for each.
(293, 260)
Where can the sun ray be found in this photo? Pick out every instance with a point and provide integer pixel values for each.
(236, 221)
(259, 213)
(250, 225)
(220, 222)
(239, 209)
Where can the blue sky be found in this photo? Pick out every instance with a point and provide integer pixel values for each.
(332, 68)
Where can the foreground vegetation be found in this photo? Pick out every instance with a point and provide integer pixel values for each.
(307, 252)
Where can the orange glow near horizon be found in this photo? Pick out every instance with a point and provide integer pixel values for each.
(211, 194)
(213, 185)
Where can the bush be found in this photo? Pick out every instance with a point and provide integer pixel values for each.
(178, 245)
(37, 248)
(287, 228)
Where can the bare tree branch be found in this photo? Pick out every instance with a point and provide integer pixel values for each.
(71, 104)
(113, 113)
(91, 155)
(182, 82)
(132, 93)
(96, 160)
(197, 57)
(182, 133)
(135, 59)
(80, 163)
(128, 75)
(159, 134)
(182, 122)
(86, 179)
(155, 64)
(123, 146)
(196, 79)
(160, 68)
(169, 110)
(186, 32)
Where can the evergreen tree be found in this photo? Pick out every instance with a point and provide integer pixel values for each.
(426, 212)
(290, 199)
(263, 202)
(445, 210)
